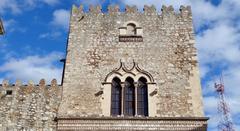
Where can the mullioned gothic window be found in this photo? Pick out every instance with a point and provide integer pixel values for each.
(130, 92)
(134, 104)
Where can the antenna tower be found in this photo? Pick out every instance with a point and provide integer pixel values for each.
(225, 123)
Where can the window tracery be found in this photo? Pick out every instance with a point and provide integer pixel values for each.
(129, 91)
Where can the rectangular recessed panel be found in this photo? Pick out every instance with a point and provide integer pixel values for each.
(130, 38)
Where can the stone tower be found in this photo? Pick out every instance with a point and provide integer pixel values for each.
(131, 71)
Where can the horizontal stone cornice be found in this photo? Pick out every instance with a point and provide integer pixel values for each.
(134, 123)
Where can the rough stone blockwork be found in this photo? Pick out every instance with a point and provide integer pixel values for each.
(166, 51)
(29, 107)
(161, 46)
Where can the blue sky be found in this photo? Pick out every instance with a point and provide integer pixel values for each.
(36, 36)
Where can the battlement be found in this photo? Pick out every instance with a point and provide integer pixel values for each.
(18, 83)
(7, 89)
(11, 90)
(185, 11)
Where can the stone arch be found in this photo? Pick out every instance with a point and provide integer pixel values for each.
(131, 22)
(122, 73)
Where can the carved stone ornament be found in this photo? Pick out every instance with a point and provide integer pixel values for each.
(122, 72)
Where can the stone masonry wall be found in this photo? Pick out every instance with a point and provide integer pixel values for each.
(167, 53)
(29, 107)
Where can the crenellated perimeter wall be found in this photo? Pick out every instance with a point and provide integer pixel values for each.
(29, 107)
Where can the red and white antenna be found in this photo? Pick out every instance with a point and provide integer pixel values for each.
(225, 123)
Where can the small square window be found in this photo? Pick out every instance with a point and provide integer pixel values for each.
(9, 92)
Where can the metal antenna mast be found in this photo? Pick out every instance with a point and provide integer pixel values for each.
(225, 123)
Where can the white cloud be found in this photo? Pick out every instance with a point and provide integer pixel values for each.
(34, 3)
(204, 70)
(61, 18)
(11, 26)
(9, 23)
(17, 6)
(51, 35)
(6, 5)
(202, 11)
(30, 3)
(211, 107)
(33, 68)
(51, 2)
(219, 42)
(157, 3)
(91, 2)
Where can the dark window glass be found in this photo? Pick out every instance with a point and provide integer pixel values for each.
(116, 97)
(129, 97)
(131, 29)
(142, 97)
(9, 92)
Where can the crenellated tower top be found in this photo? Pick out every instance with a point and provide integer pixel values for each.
(185, 11)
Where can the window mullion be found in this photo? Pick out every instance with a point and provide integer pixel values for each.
(122, 98)
(136, 100)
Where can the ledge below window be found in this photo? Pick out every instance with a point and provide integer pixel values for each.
(130, 124)
(130, 38)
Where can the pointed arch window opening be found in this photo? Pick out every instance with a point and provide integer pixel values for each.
(142, 98)
(116, 96)
(129, 97)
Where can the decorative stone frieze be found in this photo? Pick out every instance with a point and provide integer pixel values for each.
(136, 124)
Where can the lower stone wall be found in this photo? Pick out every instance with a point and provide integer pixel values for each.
(136, 124)
(35, 107)
(29, 107)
